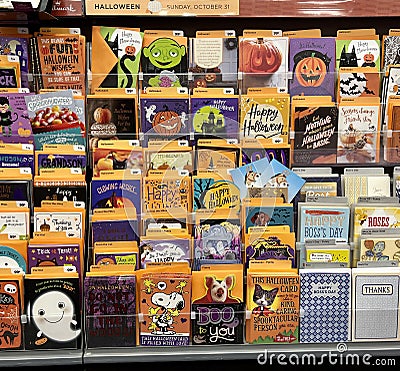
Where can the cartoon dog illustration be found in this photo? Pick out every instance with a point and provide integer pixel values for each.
(170, 305)
(218, 291)
(260, 219)
(251, 178)
(279, 180)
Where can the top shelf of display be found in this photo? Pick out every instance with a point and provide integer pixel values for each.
(245, 8)
(22, 10)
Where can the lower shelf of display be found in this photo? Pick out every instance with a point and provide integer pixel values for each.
(234, 352)
(60, 357)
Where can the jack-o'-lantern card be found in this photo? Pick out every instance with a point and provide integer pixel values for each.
(312, 63)
(165, 113)
(263, 59)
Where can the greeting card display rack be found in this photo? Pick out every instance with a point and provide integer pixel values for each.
(383, 15)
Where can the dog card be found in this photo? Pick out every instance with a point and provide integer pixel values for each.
(165, 305)
(267, 214)
(218, 291)
(265, 173)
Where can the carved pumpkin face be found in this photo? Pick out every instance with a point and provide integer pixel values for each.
(167, 122)
(369, 57)
(210, 77)
(200, 83)
(130, 50)
(311, 71)
(261, 56)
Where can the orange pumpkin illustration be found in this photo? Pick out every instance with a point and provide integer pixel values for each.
(311, 71)
(130, 50)
(167, 122)
(260, 55)
(311, 67)
(102, 115)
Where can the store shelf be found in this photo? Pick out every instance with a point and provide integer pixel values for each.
(19, 358)
(234, 352)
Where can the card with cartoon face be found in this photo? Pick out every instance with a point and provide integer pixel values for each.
(164, 60)
(53, 312)
(165, 305)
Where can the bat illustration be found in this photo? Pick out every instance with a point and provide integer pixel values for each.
(367, 91)
(361, 78)
(346, 82)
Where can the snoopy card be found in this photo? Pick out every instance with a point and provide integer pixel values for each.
(217, 301)
(165, 303)
(53, 311)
